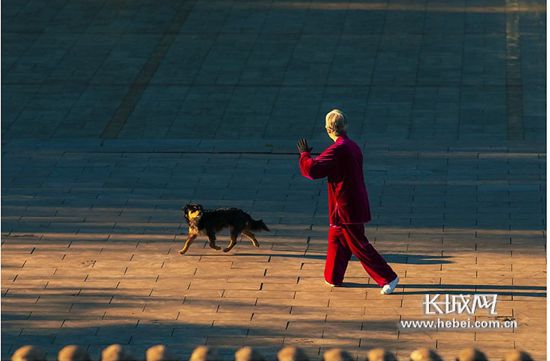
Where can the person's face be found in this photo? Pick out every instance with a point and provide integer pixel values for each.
(330, 133)
(327, 129)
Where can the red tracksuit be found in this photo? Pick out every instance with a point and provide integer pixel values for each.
(348, 206)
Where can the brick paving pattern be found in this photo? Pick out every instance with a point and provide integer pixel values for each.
(114, 115)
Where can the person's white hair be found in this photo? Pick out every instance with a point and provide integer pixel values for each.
(335, 122)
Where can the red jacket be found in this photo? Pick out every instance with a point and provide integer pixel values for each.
(342, 163)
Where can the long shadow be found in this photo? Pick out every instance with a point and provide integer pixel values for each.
(501, 290)
(416, 258)
(390, 257)
(180, 335)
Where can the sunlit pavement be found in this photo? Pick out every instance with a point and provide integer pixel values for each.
(116, 114)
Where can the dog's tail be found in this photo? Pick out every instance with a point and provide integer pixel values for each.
(258, 225)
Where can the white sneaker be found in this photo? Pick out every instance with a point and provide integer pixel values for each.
(387, 289)
(330, 284)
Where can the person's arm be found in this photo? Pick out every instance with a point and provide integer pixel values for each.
(319, 167)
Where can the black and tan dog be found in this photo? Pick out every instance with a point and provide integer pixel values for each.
(208, 222)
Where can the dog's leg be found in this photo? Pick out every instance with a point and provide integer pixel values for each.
(188, 242)
(251, 237)
(233, 242)
(212, 241)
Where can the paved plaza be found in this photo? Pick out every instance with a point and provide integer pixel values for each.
(117, 113)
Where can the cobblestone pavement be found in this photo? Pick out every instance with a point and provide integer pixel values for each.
(115, 114)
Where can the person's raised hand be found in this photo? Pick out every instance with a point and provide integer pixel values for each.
(303, 146)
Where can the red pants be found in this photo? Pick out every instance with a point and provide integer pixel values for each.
(348, 239)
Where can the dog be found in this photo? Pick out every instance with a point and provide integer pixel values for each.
(208, 222)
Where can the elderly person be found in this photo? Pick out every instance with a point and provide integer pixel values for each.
(425, 354)
(116, 352)
(28, 353)
(73, 353)
(379, 354)
(291, 353)
(204, 353)
(517, 355)
(337, 354)
(248, 354)
(348, 203)
(471, 354)
(159, 353)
